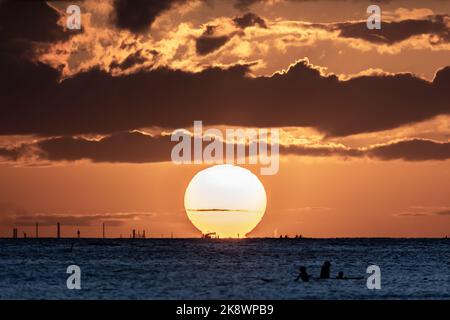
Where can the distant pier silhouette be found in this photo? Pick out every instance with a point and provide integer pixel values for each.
(28, 232)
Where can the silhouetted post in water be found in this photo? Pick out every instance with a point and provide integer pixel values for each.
(37, 230)
(325, 270)
(14, 233)
(58, 230)
(24, 235)
(134, 234)
(103, 230)
(143, 234)
(78, 234)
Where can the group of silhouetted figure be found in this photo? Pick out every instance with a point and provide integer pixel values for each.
(324, 273)
(287, 237)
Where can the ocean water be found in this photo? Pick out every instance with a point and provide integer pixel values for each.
(222, 269)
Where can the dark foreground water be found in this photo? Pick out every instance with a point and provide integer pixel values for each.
(222, 269)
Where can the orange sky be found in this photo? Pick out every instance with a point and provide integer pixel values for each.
(317, 198)
(329, 195)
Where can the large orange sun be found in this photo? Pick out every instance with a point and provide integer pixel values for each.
(225, 199)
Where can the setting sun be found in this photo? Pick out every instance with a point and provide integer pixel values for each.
(226, 200)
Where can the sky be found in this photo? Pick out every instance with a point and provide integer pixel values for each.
(364, 115)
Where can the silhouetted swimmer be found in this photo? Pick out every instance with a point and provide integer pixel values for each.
(303, 275)
(325, 271)
(340, 275)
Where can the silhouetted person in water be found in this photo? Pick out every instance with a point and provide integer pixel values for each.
(325, 271)
(303, 275)
(340, 275)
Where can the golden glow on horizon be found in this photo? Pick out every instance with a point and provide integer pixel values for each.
(225, 199)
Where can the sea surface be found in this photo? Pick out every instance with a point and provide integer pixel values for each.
(222, 269)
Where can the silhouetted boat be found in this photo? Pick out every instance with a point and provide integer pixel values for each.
(209, 235)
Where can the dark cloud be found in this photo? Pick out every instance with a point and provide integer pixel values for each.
(205, 45)
(33, 101)
(245, 5)
(25, 23)
(250, 20)
(24, 218)
(12, 154)
(131, 60)
(408, 150)
(412, 150)
(442, 213)
(412, 214)
(53, 219)
(135, 147)
(396, 31)
(138, 15)
(425, 212)
(208, 42)
(320, 151)
(29, 20)
(132, 147)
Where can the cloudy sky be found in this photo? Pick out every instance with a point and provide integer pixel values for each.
(85, 115)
